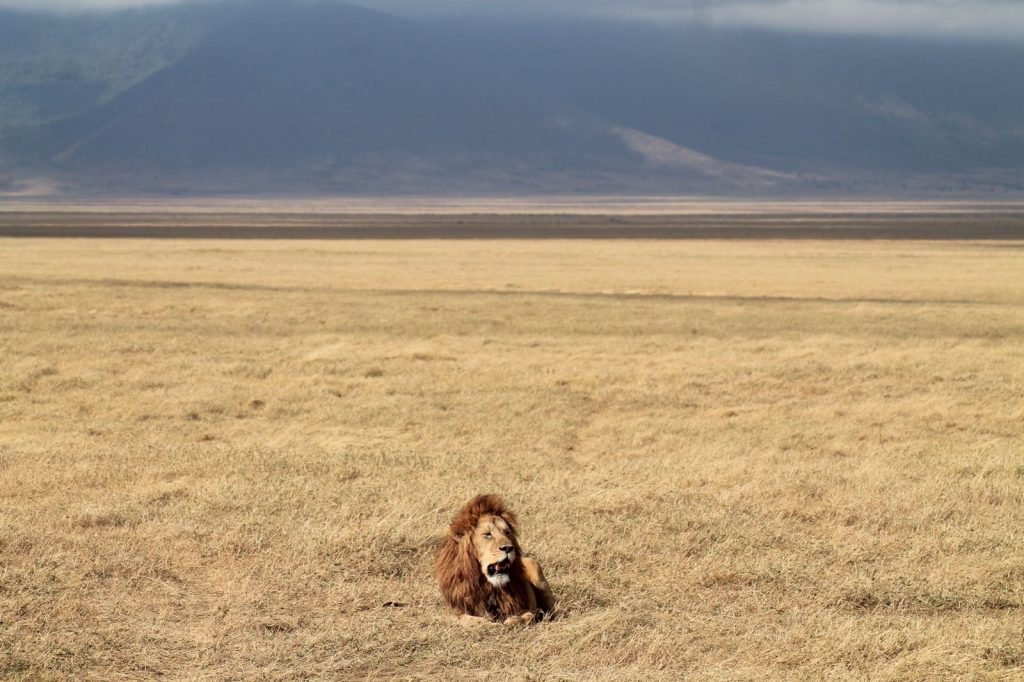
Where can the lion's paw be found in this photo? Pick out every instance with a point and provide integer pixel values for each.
(522, 619)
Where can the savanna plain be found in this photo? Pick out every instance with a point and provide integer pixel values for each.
(232, 459)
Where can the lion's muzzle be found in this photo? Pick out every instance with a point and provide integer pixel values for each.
(499, 567)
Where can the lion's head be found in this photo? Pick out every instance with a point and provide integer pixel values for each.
(478, 564)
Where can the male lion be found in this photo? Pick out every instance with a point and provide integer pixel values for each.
(483, 574)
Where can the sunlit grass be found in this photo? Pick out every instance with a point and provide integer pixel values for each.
(734, 460)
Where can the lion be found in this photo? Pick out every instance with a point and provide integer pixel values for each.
(483, 575)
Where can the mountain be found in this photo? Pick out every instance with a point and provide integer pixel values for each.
(53, 66)
(307, 96)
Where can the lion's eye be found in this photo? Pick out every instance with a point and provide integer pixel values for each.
(487, 535)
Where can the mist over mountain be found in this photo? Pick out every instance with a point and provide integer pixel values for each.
(283, 96)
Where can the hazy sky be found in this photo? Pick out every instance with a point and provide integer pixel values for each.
(970, 18)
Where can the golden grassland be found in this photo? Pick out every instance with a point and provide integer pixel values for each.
(735, 460)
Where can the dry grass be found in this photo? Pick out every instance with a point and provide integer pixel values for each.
(735, 460)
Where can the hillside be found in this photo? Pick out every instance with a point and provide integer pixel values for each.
(287, 96)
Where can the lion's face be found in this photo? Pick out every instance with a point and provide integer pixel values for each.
(494, 542)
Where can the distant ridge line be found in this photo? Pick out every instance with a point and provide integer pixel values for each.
(938, 226)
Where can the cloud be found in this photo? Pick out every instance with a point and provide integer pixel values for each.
(80, 5)
(977, 18)
(958, 18)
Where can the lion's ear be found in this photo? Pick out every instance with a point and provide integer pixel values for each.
(512, 521)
